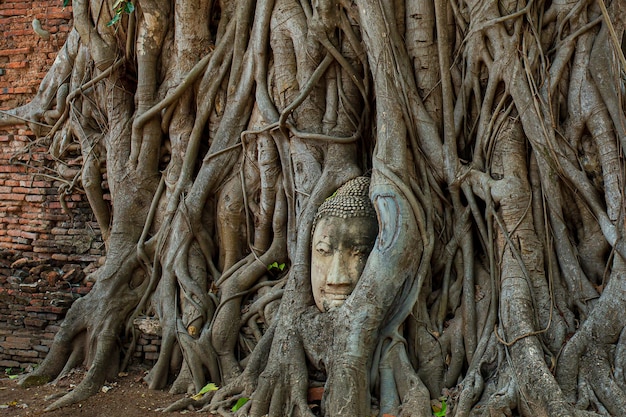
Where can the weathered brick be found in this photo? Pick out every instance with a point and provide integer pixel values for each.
(16, 90)
(12, 197)
(28, 235)
(14, 342)
(26, 354)
(21, 247)
(11, 12)
(16, 65)
(46, 309)
(21, 190)
(40, 250)
(42, 348)
(15, 5)
(35, 322)
(8, 363)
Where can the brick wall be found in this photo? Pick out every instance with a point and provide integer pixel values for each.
(34, 297)
(24, 56)
(45, 249)
(33, 219)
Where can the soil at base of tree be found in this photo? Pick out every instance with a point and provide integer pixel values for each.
(126, 396)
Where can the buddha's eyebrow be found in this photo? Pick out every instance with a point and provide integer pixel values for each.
(324, 239)
(359, 241)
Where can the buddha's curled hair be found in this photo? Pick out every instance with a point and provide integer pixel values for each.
(350, 200)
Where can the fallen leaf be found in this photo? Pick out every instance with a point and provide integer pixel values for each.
(240, 403)
(208, 387)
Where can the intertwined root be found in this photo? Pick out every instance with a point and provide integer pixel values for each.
(590, 367)
(493, 132)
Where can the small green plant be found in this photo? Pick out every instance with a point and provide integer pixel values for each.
(276, 265)
(120, 7)
(440, 411)
(13, 373)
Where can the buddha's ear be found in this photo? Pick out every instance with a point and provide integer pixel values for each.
(388, 228)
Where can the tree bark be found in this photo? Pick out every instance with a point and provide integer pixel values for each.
(493, 133)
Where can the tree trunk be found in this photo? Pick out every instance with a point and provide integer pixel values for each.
(493, 134)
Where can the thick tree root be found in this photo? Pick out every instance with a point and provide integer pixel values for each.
(492, 132)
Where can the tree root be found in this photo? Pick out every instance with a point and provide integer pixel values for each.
(265, 115)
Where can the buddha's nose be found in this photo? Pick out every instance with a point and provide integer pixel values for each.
(338, 273)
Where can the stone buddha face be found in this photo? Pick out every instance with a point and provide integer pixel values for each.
(344, 234)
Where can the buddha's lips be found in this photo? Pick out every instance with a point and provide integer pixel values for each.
(336, 296)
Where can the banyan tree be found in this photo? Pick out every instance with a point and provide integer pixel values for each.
(491, 136)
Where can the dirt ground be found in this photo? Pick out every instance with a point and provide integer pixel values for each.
(127, 396)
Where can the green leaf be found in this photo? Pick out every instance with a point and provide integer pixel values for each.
(115, 19)
(240, 403)
(276, 265)
(440, 412)
(129, 7)
(208, 387)
(13, 376)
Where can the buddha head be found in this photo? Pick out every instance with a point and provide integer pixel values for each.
(344, 232)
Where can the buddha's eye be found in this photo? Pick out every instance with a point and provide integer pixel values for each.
(323, 249)
(361, 252)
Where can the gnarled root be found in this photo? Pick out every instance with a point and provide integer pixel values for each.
(585, 359)
(90, 334)
(246, 382)
(413, 394)
(282, 387)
